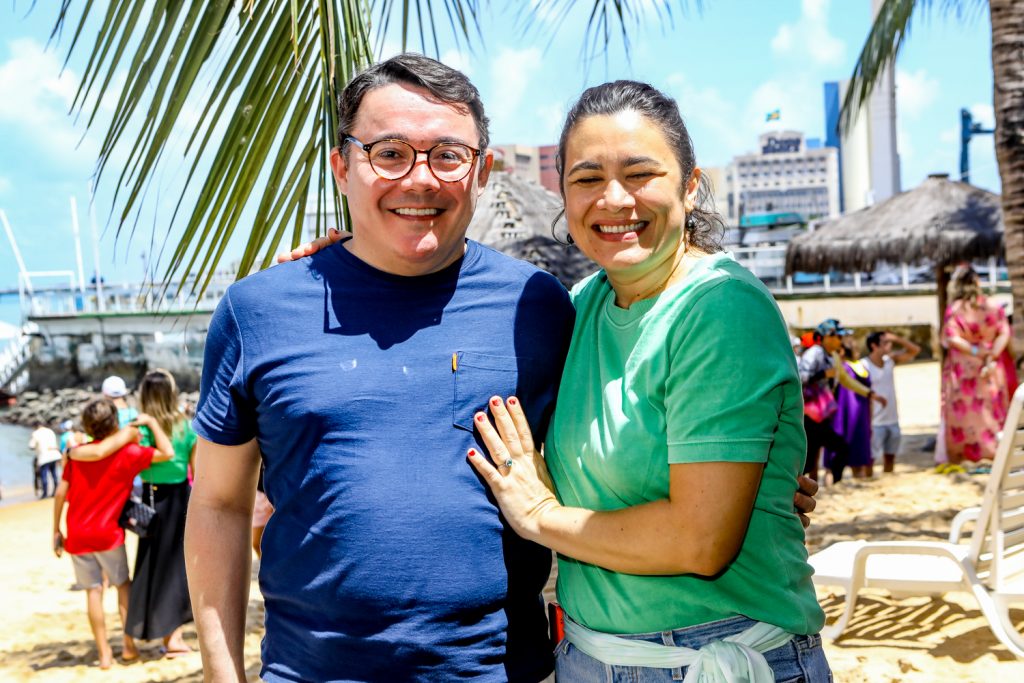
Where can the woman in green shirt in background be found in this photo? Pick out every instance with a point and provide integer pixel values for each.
(677, 436)
(159, 603)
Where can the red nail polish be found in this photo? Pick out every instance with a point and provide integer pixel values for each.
(472, 452)
(495, 401)
(479, 418)
(512, 401)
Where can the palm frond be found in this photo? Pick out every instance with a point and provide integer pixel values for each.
(463, 21)
(606, 19)
(890, 27)
(257, 83)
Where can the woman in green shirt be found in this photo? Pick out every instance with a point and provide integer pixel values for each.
(159, 603)
(678, 433)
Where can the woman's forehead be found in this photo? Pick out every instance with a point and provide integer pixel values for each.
(616, 134)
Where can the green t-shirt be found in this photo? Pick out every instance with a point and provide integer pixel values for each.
(702, 373)
(175, 470)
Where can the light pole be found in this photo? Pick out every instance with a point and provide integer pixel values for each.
(968, 128)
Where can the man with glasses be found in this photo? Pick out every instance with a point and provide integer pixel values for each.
(356, 373)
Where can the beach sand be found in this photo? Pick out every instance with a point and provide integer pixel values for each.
(45, 636)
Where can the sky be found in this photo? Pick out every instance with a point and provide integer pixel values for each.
(727, 66)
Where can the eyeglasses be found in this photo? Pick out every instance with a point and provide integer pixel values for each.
(450, 162)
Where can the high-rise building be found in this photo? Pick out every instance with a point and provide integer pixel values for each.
(869, 162)
(548, 171)
(533, 163)
(787, 175)
(885, 159)
(868, 153)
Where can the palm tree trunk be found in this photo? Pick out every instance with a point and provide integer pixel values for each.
(1008, 95)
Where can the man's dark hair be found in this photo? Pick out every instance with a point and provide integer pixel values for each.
(874, 339)
(704, 227)
(99, 418)
(445, 84)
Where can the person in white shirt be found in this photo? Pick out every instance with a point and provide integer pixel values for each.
(885, 421)
(44, 442)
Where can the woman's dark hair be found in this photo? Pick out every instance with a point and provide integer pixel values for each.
(704, 227)
(444, 83)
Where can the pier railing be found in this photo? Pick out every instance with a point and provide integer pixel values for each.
(14, 357)
(769, 264)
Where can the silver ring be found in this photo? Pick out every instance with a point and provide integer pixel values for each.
(507, 463)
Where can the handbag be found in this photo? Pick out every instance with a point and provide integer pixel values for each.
(138, 517)
(819, 402)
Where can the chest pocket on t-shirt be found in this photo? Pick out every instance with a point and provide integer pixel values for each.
(477, 377)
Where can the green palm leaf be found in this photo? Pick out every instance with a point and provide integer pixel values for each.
(266, 77)
(605, 20)
(891, 26)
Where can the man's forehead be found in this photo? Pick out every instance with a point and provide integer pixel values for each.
(408, 112)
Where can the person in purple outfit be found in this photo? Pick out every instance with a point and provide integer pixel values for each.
(852, 422)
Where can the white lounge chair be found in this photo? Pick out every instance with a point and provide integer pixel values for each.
(988, 562)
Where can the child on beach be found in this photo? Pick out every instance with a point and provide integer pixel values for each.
(95, 493)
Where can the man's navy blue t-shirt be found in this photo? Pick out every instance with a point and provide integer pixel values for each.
(386, 558)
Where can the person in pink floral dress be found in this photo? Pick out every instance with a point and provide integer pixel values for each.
(974, 387)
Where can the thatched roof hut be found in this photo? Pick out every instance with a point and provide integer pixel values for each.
(514, 216)
(940, 222)
(512, 208)
(566, 263)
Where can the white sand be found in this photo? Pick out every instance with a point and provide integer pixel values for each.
(45, 635)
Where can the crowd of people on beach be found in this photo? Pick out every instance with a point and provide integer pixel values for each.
(125, 453)
(850, 414)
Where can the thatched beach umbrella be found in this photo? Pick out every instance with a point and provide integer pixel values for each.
(940, 222)
(566, 263)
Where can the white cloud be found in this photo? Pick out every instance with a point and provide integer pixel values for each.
(512, 73)
(457, 59)
(915, 92)
(809, 36)
(782, 42)
(35, 98)
(711, 119)
(549, 119)
(722, 127)
(984, 114)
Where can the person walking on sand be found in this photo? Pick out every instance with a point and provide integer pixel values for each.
(881, 363)
(95, 493)
(44, 442)
(160, 603)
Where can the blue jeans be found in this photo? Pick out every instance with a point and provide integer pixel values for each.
(48, 472)
(801, 660)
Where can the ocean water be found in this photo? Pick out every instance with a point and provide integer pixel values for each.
(16, 461)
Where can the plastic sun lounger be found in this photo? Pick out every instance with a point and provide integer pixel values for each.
(987, 563)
